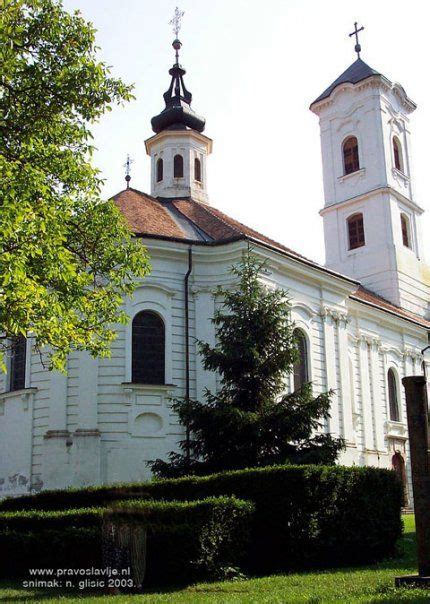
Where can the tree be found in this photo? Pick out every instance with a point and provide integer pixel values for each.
(66, 257)
(250, 421)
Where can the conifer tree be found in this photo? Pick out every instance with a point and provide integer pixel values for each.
(250, 421)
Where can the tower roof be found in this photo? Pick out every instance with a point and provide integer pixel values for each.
(358, 71)
(177, 115)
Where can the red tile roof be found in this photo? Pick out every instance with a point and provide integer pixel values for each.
(364, 295)
(190, 220)
(145, 214)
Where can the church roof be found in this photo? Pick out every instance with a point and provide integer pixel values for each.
(358, 71)
(193, 222)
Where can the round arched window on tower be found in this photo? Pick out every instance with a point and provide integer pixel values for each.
(197, 170)
(397, 152)
(178, 166)
(159, 169)
(351, 162)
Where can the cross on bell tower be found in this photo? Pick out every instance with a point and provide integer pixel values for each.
(355, 33)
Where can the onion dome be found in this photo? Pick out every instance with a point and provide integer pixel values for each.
(177, 114)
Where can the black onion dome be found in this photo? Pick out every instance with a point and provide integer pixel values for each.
(178, 114)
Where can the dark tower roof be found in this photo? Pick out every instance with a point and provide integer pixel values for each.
(355, 73)
(177, 114)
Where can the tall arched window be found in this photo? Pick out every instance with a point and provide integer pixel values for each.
(356, 231)
(351, 162)
(159, 169)
(148, 348)
(301, 371)
(397, 152)
(178, 166)
(17, 363)
(392, 396)
(406, 230)
(197, 170)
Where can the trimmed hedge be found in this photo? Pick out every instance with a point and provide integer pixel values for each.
(66, 539)
(305, 515)
(186, 541)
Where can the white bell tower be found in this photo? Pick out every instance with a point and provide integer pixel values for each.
(178, 150)
(371, 220)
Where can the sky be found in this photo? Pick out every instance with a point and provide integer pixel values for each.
(253, 69)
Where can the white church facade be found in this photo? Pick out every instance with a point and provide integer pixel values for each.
(363, 319)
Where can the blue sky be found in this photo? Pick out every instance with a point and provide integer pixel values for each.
(253, 68)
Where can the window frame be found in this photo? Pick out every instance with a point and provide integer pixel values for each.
(355, 161)
(159, 170)
(18, 381)
(304, 372)
(178, 166)
(355, 219)
(393, 401)
(405, 225)
(397, 154)
(198, 170)
(140, 353)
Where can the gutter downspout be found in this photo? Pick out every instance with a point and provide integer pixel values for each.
(187, 343)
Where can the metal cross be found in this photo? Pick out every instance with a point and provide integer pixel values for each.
(176, 22)
(357, 47)
(127, 167)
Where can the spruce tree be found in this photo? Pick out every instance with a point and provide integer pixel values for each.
(250, 421)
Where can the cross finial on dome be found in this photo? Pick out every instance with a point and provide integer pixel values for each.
(176, 24)
(355, 33)
(127, 167)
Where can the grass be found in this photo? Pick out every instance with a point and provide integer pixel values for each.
(362, 584)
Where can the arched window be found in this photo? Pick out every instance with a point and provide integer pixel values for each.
(301, 372)
(392, 396)
(197, 170)
(397, 152)
(351, 161)
(178, 166)
(17, 363)
(148, 348)
(356, 231)
(406, 230)
(159, 169)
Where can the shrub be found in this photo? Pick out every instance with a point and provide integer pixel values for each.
(67, 539)
(185, 540)
(188, 541)
(304, 515)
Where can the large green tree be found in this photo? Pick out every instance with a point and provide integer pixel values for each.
(250, 421)
(66, 258)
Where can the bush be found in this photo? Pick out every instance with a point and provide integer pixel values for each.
(188, 541)
(67, 539)
(304, 515)
(185, 540)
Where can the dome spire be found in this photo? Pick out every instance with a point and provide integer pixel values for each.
(177, 114)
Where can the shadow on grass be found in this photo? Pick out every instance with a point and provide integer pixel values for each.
(404, 563)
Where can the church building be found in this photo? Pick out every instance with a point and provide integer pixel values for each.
(362, 320)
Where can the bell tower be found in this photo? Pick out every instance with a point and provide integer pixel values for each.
(371, 219)
(178, 150)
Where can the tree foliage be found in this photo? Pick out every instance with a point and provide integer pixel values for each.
(250, 421)
(66, 258)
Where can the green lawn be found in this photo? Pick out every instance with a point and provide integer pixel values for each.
(366, 584)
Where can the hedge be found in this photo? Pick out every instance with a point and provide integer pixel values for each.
(65, 539)
(186, 541)
(305, 515)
